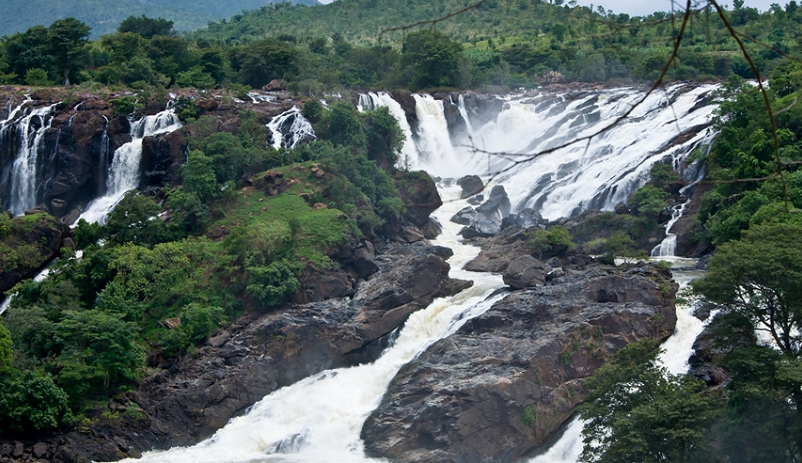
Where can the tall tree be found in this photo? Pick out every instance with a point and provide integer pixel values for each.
(67, 38)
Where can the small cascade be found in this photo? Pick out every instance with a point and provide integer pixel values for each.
(31, 129)
(123, 174)
(290, 128)
(436, 152)
(464, 113)
(409, 153)
(668, 247)
(103, 159)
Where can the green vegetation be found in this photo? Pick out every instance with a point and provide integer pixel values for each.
(503, 44)
(81, 335)
(556, 240)
(636, 412)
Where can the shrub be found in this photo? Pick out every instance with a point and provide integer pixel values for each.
(125, 105)
(33, 403)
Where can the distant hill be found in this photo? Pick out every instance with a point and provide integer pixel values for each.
(360, 21)
(104, 16)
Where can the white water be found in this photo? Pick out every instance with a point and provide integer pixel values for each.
(319, 419)
(409, 153)
(290, 128)
(124, 171)
(24, 169)
(597, 174)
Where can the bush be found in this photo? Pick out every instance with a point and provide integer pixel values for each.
(556, 238)
(33, 403)
(125, 105)
(37, 77)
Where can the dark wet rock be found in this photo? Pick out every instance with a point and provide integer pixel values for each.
(476, 200)
(690, 233)
(703, 361)
(498, 251)
(432, 229)
(480, 228)
(471, 184)
(465, 216)
(364, 261)
(410, 234)
(526, 272)
(419, 194)
(703, 262)
(497, 206)
(526, 218)
(465, 397)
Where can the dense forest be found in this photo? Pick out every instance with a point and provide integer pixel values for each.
(329, 48)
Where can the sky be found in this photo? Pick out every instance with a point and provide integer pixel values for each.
(644, 7)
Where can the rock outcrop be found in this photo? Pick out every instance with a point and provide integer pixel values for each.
(30, 242)
(505, 382)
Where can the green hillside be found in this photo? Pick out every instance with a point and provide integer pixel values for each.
(103, 17)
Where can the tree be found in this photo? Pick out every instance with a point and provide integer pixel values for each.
(760, 277)
(636, 412)
(262, 61)
(67, 38)
(433, 58)
(33, 403)
(146, 27)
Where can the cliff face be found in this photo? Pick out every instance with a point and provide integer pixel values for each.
(75, 143)
(505, 383)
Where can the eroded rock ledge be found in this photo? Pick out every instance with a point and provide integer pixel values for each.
(501, 386)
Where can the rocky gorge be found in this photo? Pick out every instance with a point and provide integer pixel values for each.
(498, 389)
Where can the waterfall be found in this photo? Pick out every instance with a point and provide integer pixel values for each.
(437, 154)
(409, 153)
(31, 129)
(103, 159)
(594, 174)
(123, 174)
(290, 128)
(319, 419)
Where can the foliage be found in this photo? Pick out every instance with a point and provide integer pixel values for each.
(432, 60)
(760, 277)
(556, 238)
(125, 105)
(636, 412)
(32, 403)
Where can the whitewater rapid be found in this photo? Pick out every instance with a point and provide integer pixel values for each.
(319, 419)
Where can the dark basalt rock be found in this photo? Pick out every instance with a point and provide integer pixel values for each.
(465, 216)
(526, 218)
(471, 184)
(432, 229)
(464, 398)
(498, 251)
(526, 272)
(480, 228)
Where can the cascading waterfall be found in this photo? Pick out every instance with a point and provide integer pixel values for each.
(436, 152)
(409, 153)
(595, 174)
(319, 419)
(124, 171)
(290, 128)
(103, 158)
(31, 129)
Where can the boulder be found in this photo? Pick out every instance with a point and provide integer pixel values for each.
(498, 251)
(476, 200)
(364, 262)
(480, 228)
(432, 229)
(471, 184)
(526, 272)
(526, 218)
(465, 216)
(410, 234)
(419, 194)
